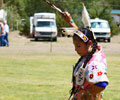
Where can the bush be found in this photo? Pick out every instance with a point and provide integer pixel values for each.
(13, 18)
(104, 12)
(114, 29)
(25, 30)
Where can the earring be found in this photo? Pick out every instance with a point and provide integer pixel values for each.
(89, 49)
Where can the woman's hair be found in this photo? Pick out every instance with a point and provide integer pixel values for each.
(87, 32)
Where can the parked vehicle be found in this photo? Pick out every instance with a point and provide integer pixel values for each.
(43, 25)
(101, 29)
(67, 31)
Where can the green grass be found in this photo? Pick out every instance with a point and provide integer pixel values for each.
(47, 77)
(113, 90)
(35, 77)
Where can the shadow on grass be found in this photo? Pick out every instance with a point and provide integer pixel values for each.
(102, 41)
(42, 40)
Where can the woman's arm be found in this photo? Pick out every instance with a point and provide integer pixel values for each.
(67, 17)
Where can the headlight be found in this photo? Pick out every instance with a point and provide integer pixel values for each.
(55, 32)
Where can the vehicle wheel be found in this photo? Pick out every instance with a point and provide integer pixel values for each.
(36, 39)
(109, 40)
(55, 39)
(33, 35)
(63, 35)
(98, 40)
(68, 36)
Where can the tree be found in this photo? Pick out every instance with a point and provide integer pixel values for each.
(102, 10)
(26, 8)
(115, 4)
(18, 4)
(13, 18)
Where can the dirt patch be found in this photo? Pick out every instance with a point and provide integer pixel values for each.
(21, 45)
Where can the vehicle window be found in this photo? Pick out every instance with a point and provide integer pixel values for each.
(99, 25)
(45, 24)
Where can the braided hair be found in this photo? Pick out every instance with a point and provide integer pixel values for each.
(90, 36)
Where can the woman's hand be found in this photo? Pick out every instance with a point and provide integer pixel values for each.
(67, 17)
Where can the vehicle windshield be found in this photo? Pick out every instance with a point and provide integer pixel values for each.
(45, 24)
(99, 25)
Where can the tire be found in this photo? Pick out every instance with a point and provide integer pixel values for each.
(63, 35)
(98, 40)
(55, 39)
(109, 40)
(33, 36)
(36, 39)
(68, 36)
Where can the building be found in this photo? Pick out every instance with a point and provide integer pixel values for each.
(116, 15)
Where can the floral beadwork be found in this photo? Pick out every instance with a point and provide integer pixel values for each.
(94, 67)
(91, 76)
(100, 73)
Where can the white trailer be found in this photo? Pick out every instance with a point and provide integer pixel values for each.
(44, 26)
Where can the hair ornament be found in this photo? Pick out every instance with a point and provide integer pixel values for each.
(81, 35)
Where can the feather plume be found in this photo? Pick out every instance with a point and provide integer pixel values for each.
(85, 17)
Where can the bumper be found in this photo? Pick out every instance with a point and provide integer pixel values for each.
(102, 36)
(45, 35)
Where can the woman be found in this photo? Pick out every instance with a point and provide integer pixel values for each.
(90, 72)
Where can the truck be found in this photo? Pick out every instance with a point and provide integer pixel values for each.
(43, 25)
(101, 29)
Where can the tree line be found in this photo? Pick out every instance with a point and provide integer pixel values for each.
(19, 11)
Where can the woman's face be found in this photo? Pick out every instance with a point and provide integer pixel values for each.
(80, 47)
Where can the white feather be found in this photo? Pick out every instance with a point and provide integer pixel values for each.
(85, 17)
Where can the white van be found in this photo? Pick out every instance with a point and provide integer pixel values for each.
(101, 29)
(44, 26)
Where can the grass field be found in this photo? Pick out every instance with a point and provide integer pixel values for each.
(46, 76)
(35, 77)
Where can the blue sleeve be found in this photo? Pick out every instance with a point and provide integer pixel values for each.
(102, 84)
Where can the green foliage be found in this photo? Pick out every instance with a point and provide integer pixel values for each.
(73, 8)
(115, 4)
(114, 28)
(13, 18)
(103, 11)
(25, 30)
(35, 6)
(19, 4)
(26, 8)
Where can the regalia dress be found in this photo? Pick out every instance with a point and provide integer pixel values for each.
(95, 72)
